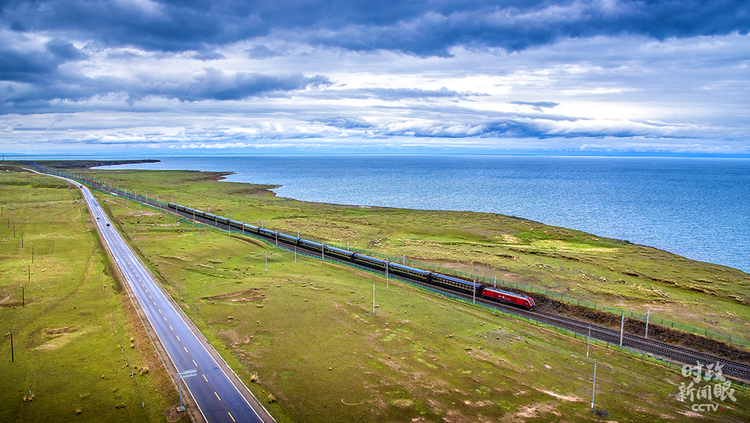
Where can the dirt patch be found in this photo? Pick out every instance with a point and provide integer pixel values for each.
(534, 411)
(57, 338)
(174, 258)
(247, 295)
(58, 331)
(173, 415)
(691, 414)
(6, 302)
(568, 398)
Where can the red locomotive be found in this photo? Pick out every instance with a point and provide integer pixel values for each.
(509, 297)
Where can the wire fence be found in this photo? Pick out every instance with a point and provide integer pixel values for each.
(560, 297)
(482, 279)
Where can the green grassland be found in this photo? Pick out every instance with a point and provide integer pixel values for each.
(304, 338)
(576, 264)
(79, 351)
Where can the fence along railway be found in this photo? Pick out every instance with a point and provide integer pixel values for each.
(447, 284)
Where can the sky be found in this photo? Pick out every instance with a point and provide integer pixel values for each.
(195, 77)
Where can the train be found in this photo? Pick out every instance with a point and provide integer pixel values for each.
(364, 260)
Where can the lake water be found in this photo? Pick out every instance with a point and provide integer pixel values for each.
(695, 207)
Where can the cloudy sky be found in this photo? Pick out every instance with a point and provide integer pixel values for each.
(222, 76)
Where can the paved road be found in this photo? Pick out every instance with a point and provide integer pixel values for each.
(217, 397)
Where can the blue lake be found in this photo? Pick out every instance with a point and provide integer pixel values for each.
(695, 207)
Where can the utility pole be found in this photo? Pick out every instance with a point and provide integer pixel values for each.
(474, 292)
(622, 327)
(648, 312)
(593, 389)
(182, 376)
(386, 275)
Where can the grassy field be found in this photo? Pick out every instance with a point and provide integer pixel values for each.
(581, 266)
(303, 335)
(79, 351)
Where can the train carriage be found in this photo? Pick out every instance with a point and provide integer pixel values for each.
(409, 272)
(455, 283)
(306, 243)
(338, 253)
(367, 261)
(267, 233)
(288, 238)
(250, 228)
(509, 297)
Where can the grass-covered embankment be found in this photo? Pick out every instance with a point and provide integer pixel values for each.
(76, 339)
(307, 331)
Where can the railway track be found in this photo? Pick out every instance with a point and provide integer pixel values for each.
(735, 370)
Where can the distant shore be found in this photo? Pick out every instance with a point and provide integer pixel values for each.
(87, 164)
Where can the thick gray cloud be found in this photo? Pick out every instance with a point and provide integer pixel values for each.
(416, 26)
(210, 84)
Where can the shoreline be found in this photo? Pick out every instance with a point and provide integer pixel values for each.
(643, 235)
(221, 177)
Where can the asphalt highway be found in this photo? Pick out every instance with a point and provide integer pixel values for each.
(217, 397)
